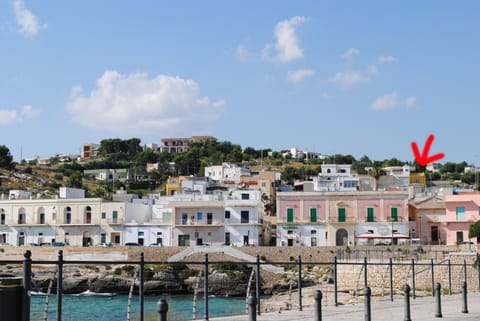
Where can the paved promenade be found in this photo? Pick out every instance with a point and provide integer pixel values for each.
(421, 309)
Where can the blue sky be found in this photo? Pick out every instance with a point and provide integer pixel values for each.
(350, 77)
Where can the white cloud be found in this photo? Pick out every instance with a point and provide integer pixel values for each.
(28, 111)
(135, 103)
(286, 46)
(348, 78)
(12, 116)
(242, 53)
(410, 102)
(373, 69)
(296, 76)
(26, 20)
(385, 102)
(8, 117)
(386, 60)
(350, 53)
(325, 96)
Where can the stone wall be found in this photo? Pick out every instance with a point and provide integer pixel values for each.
(351, 274)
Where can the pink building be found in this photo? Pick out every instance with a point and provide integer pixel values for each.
(462, 210)
(338, 218)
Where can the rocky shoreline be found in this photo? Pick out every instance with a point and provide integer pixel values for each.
(226, 280)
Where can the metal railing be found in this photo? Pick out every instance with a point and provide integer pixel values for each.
(296, 265)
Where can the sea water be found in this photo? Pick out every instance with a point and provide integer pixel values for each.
(114, 307)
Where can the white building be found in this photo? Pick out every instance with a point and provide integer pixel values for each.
(226, 171)
(335, 178)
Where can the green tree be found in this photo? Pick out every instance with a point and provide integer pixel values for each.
(474, 231)
(75, 180)
(5, 157)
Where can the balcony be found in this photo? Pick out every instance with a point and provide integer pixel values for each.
(117, 221)
(344, 220)
(80, 223)
(200, 223)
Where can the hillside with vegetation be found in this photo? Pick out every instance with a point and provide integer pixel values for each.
(129, 154)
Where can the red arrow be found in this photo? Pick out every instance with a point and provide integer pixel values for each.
(424, 159)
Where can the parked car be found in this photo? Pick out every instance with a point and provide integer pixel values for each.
(156, 244)
(58, 244)
(32, 244)
(45, 244)
(5, 244)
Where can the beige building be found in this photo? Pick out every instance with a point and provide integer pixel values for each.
(180, 145)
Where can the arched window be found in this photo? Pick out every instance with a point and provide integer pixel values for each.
(21, 216)
(3, 216)
(41, 215)
(67, 215)
(88, 215)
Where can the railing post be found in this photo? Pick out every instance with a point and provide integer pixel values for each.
(406, 307)
(391, 279)
(413, 278)
(252, 304)
(464, 296)
(257, 283)
(27, 285)
(449, 277)
(335, 288)
(59, 285)
(141, 285)
(433, 278)
(478, 271)
(365, 275)
(438, 308)
(162, 309)
(300, 308)
(317, 311)
(368, 293)
(205, 288)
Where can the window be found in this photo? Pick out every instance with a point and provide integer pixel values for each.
(199, 216)
(209, 218)
(460, 213)
(245, 196)
(394, 214)
(42, 218)
(313, 214)
(244, 217)
(459, 237)
(342, 215)
(141, 233)
(2, 219)
(67, 242)
(21, 218)
(88, 215)
(184, 218)
(103, 238)
(227, 238)
(227, 214)
(290, 215)
(68, 215)
(104, 215)
(370, 214)
(114, 216)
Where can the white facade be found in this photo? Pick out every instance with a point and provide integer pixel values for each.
(226, 171)
(335, 178)
(302, 235)
(68, 192)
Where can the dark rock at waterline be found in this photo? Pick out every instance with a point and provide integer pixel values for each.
(109, 284)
